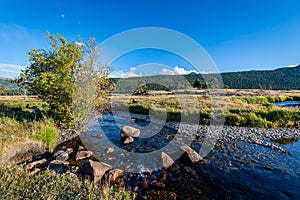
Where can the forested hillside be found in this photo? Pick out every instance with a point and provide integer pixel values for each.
(278, 79)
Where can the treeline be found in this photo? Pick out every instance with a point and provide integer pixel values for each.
(279, 79)
(9, 88)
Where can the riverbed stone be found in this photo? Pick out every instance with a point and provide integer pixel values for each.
(98, 135)
(69, 151)
(83, 155)
(110, 150)
(80, 148)
(127, 131)
(128, 140)
(93, 170)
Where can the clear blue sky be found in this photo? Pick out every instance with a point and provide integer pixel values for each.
(238, 34)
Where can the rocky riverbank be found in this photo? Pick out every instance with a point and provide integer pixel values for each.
(271, 138)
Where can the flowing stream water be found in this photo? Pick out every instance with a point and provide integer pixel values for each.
(239, 166)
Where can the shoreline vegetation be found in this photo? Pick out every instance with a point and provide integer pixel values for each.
(243, 108)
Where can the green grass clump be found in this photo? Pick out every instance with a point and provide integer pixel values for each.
(18, 183)
(264, 118)
(139, 109)
(48, 134)
(268, 99)
(255, 100)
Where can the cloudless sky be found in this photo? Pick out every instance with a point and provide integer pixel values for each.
(237, 34)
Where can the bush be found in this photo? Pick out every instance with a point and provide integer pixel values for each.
(234, 119)
(18, 183)
(204, 116)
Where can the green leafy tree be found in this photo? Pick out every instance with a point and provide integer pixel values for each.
(52, 75)
(141, 88)
(197, 84)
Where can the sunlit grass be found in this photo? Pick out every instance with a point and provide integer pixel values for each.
(249, 111)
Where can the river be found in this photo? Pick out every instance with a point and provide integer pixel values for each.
(244, 164)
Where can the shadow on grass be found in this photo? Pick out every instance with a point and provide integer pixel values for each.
(20, 114)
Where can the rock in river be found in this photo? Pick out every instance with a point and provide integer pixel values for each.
(128, 140)
(193, 155)
(168, 162)
(110, 150)
(127, 131)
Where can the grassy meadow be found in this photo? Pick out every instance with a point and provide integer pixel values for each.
(251, 108)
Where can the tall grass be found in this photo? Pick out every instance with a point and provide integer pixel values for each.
(22, 120)
(13, 131)
(268, 99)
(47, 133)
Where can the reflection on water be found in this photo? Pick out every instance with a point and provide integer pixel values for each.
(287, 103)
(236, 169)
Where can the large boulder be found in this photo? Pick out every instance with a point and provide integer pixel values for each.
(93, 170)
(127, 131)
(21, 152)
(113, 175)
(193, 156)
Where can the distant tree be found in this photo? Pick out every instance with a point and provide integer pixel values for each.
(3, 90)
(197, 84)
(141, 88)
(52, 74)
(214, 83)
